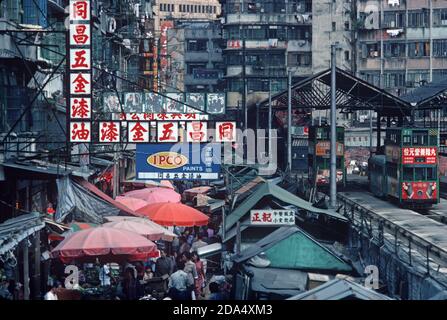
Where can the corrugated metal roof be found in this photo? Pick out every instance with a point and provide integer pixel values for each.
(271, 189)
(14, 230)
(340, 289)
(292, 248)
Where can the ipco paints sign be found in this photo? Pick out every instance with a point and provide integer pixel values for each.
(178, 161)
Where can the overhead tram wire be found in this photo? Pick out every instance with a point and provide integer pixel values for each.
(131, 82)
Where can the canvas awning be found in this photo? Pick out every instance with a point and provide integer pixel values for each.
(271, 189)
(85, 202)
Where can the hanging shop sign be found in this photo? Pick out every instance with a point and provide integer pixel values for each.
(79, 65)
(182, 161)
(272, 217)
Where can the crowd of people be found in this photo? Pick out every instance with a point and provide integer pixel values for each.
(182, 273)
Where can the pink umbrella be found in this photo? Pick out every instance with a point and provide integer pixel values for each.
(154, 195)
(132, 203)
(167, 235)
(147, 231)
(102, 242)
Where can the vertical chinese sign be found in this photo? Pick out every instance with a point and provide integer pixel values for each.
(79, 68)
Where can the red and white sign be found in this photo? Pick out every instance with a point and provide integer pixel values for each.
(80, 59)
(79, 35)
(80, 131)
(79, 10)
(419, 155)
(234, 44)
(196, 131)
(272, 217)
(226, 131)
(109, 131)
(138, 132)
(167, 131)
(80, 108)
(162, 116)
(80, 84)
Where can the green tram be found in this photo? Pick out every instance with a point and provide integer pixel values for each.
(319, 156)
(408, 171)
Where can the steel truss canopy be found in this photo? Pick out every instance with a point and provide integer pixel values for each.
(430, 96)
(352, 94)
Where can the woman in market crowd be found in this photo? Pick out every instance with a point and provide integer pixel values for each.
(200, 281)
(178, 283)
(184, 246)
(129, 285)
(191, 270)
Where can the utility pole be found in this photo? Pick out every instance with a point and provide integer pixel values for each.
(333, 172)
(289, 122)
(270, 118)
(244, 76)
(370, 133)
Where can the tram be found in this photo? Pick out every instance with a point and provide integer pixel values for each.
(319, 156)
(408, 171)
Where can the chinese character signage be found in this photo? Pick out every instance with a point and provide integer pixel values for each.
(79, 66)
(419, 155)
(182, 161)
(216, 103)
(271, 217)
(226, 131)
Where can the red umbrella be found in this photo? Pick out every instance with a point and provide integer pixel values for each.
(174, 214)
(131, 203)
(102, 242)
(139, 228)
(154, 195)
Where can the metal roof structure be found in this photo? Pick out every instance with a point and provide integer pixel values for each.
(340, 289)
(14, 230)
(430, 96)
(352, 94)
(273, 190)
(292, 248)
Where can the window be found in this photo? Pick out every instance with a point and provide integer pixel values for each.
(406, 140)
(334, 26)
(214, 9)
(440, 17)
(197, 45)
(407, 173)
(419, 174)
(440, 48)
(432, 173)
(418, 49)
(419, 18)
(395, 49)
(392, 19)
(346, 25)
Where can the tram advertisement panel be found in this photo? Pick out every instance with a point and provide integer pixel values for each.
(392, 153)
(419, 190)
(419, 155)
(323, 149)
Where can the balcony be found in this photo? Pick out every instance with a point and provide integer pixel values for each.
(261, 18)
(203, 56)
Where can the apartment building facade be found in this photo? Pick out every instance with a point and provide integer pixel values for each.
(195, 50)
(402, 44)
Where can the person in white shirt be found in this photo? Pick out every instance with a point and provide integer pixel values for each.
(104, 275)
(51, 294)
